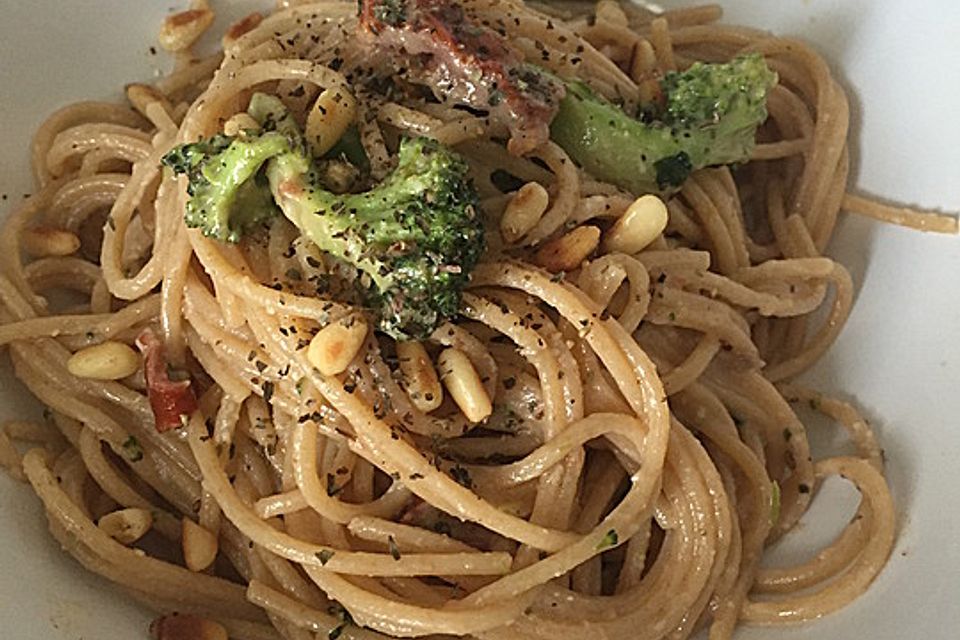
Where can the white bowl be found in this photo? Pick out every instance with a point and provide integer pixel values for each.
(899, 357)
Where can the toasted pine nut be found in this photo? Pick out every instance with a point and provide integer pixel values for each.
(198, 544)
(643, 61)
(464, 384)
(639, 225)
(180, 626)
(336, 345)
(240, 122)
(240, 27)
(662, 44)
(610, 11)
(126, 526)
(41, 242)
(567, 252)
(524, 211)
(339, 175)
(334, 111)
(423, 386)
(143, 95)
(108, 360)
(181, 30)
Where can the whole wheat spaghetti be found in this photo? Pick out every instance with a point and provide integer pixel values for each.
(638, 443)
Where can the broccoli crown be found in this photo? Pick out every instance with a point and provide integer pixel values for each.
(414, 238)
(707, 94)
(228, 191)
(444, 225)
(709, 116)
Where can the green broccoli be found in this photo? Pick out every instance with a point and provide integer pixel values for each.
(709, 116)
(228, 192)
(414, 238)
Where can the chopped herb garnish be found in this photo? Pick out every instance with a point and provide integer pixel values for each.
(324, 556)
(609, 540)
(132, 449)
(394, 549)
(673, 170)
(339, 611)
(462, 476)
(332, 487)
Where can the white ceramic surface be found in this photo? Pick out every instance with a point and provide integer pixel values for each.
(899, 357)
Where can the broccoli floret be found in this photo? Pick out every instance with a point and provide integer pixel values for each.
(414, 238)
(709, 116)
(228, 191)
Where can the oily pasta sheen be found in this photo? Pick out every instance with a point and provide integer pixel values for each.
(644, 446)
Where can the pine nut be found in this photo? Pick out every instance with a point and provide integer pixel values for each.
(643, 62)
(239, 123)
(610, 11)
(337, 344)
(126, 526)
(241, 27)
(181, 30)
(41, 242)
(180, 626)
(339, 175)
(639, 225)
(334, 111)
(567, 252)
(524, 211)
(143, 95)
(464, 384)
(105, 361)
(199, 546)
(423, 386)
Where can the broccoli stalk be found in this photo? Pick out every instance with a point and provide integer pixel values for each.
(414, 238)
(709, 116)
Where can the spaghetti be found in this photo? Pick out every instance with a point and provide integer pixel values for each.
(642, 446)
